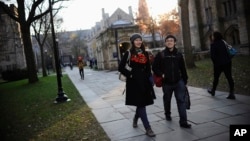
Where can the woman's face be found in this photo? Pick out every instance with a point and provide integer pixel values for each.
(138, 42)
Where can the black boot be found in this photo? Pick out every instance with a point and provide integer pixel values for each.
(168, 118)
(231, 94)
(135, 120)
(211, 91)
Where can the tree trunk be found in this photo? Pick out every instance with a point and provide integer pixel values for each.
(186, 33)
(200, 25)
(43, 60)
(29, 54)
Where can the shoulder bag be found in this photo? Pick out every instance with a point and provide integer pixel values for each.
(121, 76)
(187, 98)
(231, 51)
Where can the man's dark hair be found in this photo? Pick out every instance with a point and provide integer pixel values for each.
(171, 36)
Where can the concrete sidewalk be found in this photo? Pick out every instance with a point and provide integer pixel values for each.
(210, 116)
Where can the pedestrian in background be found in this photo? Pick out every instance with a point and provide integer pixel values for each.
(170, 64)
(139, 88)
(80, 64)
(222, 62)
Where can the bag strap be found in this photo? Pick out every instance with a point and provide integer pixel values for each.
(128, 59)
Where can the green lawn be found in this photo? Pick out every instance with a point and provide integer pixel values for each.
(202, 75)
(28, 113)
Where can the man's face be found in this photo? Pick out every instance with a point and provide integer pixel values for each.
(170, 42)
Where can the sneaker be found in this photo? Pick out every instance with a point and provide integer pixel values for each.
(150, 132)
(211, 92)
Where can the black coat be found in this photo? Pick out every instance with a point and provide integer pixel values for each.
(219, 54)
(172, 65)
(139, 89)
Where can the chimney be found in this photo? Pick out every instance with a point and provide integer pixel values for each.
(103, 13)
(131, 13)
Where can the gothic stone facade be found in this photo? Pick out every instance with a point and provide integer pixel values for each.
(113, 39)
(227, 16)
(11, 48)
(108, 51)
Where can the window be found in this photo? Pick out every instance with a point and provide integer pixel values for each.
(208, 12)
(230, 7)
(225, 8)
(119, 17)
(7, 58)
(234, 6)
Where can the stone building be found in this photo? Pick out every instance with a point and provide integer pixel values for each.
(111, 38)
(11, 47)
(227, 16)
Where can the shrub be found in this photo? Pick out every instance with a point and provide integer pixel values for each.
(14, 75)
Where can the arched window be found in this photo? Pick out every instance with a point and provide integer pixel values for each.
(232, 35)
(230, 7)
(208, 12)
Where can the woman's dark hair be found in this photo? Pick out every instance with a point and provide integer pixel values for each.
(217, 36)
(133, 48)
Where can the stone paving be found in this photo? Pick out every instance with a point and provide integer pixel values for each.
(210, 116)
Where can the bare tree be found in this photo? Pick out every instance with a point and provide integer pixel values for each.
(41, 28)
(25, 20)
(79, 47)
(186, 33)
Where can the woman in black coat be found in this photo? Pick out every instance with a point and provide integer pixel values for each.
(222, 63)
(139, 85)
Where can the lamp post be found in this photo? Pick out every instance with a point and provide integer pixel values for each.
(61, 96)
(46, 60)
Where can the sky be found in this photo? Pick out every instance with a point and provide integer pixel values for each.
(83, 14)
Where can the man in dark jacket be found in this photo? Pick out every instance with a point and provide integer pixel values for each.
(170, 64)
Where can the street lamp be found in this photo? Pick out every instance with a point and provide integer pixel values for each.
(61, 96)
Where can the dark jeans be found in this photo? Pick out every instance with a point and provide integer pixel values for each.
(81, 73)
(141, 113)
(179, 92)
(227, 69)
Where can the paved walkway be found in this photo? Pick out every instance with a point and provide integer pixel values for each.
(210, 116)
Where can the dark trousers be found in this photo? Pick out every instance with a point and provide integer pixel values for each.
(141, 113)
(227, 70)
(81, 73)
(179, 93)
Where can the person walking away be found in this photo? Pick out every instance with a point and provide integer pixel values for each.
(71, 65)
(222, 62)
(80, 65)
(170, 64)
(139, 88)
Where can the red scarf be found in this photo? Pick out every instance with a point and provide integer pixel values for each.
(139, 58)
